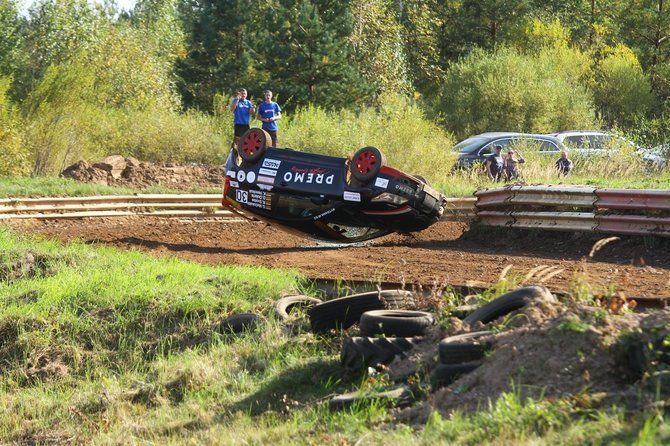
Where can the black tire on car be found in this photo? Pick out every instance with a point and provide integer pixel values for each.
(343, 312)
(403, 323)
(509, 302)
(422, 178)
(465, 347)
(285, 305)
(239, 323)
(253, 144)
(445, 374)
(360, 352)
(366, 163)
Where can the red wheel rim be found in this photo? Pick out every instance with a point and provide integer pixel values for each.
(251, 144)
(365, 162)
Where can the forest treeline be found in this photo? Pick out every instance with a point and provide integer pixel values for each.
(80, 80)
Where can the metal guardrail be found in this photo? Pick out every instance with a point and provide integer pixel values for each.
(158, 205)
(619, 211)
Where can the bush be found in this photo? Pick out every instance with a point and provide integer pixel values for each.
(399, 128)
(14, 157)
(508, 91)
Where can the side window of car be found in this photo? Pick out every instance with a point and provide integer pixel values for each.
(526, 144)
(486, 150)
(577, 142)
(548, 147)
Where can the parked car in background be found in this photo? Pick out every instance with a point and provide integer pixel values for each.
(657, 157)
(476, 149)
(584, 143)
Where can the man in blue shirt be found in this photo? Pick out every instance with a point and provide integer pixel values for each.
(494, 165)
(269, 112)
(243, 110)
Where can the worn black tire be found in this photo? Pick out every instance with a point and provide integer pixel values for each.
(399, 397)
(343, 312)
(445, 374)
(360, 352)
(404, 323)
(253, 144)
(366, 163)
(465, 347)
(239, 323)
(284, 305)
(509, 302)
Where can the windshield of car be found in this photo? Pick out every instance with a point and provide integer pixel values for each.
(471, 144)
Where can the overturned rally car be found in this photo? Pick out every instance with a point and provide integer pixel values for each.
(324, 197)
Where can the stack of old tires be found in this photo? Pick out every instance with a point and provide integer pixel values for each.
(386, 335)
(461, 354)
(390, 327)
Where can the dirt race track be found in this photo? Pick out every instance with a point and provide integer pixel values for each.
(444, 254)
(448, 253)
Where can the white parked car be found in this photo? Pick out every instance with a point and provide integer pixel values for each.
(592, 143)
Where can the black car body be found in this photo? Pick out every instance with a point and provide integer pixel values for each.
(325, 197)
(476, 149)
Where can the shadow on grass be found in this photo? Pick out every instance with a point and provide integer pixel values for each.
(292, 389)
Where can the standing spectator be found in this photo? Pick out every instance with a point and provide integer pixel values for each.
(564, 164)
(494, 165)
(512, 166)
(269, 112)
(243, 110)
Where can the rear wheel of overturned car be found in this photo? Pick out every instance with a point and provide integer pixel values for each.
(253, 144)
(366, 163)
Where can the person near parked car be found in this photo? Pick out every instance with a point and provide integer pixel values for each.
(494, 165)
(243, 109)
(564, 164)
(269, 112)
(511, 170)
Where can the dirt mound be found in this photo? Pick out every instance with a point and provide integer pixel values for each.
(550, 351)
(116, 170)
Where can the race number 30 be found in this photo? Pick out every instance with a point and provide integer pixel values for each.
(241, 196)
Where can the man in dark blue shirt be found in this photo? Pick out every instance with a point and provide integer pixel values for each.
(494, 165)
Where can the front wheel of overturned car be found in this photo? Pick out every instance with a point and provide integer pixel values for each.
(366, 163)
(253, 144)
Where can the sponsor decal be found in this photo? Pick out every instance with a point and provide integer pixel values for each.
(352, 196)
(241, 175)
(251, 177)
(234, 184)
(308, 178)
(269, 172)
(230, 173)
(264, 186)
(404, 189)
(323, 214)
(382, 182)
(259, 199)
(316, 170)
(266, 180)
(271, 164)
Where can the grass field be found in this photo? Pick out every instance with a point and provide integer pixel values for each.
(100, 346)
